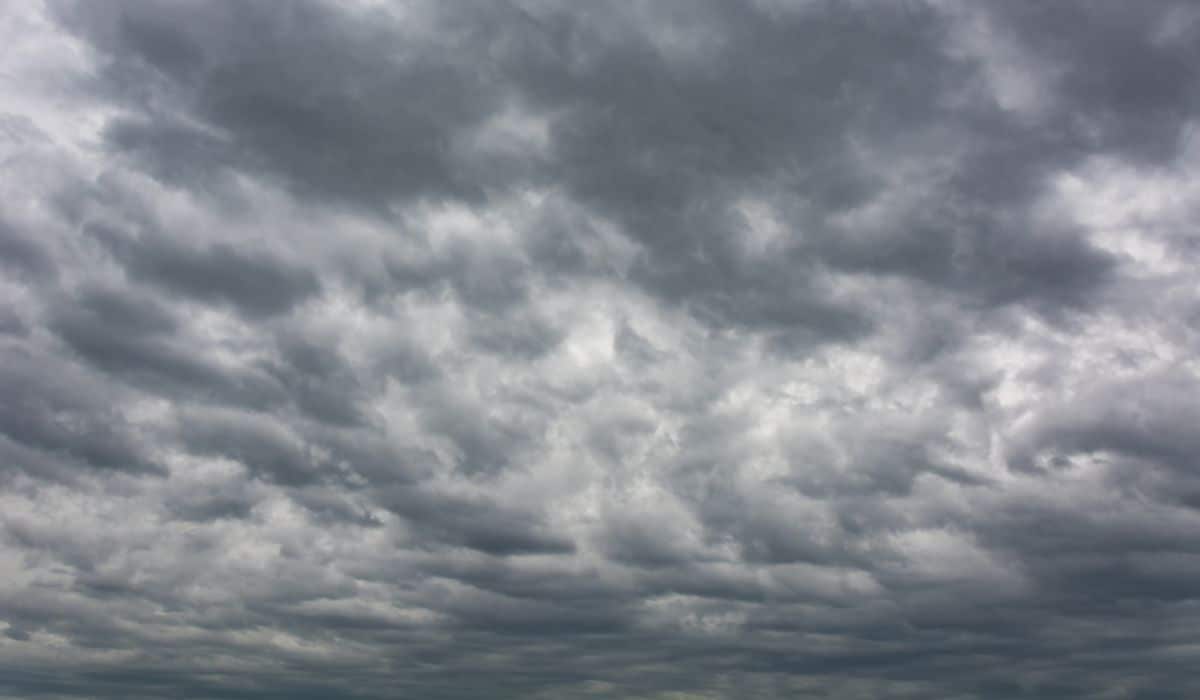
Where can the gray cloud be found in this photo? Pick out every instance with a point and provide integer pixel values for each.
(255, 284)
(627, 350)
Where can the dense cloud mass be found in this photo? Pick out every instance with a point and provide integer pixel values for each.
(633, 350)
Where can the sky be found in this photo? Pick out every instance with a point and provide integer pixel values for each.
(646, 350)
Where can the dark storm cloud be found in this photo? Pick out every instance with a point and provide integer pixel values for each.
(323, 386)
(472, 522)
(638, 350)
(1125, 76)
(56, 412)
(783, 109)
(1146, 418)
(22, 256)
(327, 100)
(137, 340)
(265, 447)
(171, 152)
(254, 283)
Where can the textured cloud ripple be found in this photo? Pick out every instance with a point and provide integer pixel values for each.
(555, 350)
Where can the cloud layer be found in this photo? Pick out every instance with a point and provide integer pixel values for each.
(651, 350)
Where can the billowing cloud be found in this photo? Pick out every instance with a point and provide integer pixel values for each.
(599, 350)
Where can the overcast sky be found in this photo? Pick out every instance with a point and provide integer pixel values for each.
(644, 350)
